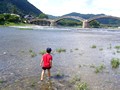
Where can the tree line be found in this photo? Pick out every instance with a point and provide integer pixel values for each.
(7, 18)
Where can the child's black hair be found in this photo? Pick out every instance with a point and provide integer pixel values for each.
(48, 50)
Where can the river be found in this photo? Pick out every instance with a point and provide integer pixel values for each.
(78, 60)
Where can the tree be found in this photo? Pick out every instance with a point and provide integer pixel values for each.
(42, 16)
(6, 18)
(69, 22)
(14, 18)
(2, 19)
(94, 24)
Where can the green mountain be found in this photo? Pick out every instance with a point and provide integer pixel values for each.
(21, 7)
(101, 20)
(85, 16)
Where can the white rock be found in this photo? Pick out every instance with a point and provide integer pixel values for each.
(4, 53)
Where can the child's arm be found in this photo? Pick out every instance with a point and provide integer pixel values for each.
(41, 62)
(51, 63)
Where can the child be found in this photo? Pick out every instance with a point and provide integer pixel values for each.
(46, 63)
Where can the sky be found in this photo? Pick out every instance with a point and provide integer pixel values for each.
(62, 7)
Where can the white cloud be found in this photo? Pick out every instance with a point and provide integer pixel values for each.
(61, 7)
(110, 7)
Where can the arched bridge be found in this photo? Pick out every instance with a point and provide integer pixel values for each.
(86, 22)
(43, 22)
(52, 22)
(73, 17)
(102, 16)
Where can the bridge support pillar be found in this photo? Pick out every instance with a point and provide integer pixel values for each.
(85, 24)
(52, 23)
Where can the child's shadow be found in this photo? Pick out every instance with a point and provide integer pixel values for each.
(59, 76)
(56, 81)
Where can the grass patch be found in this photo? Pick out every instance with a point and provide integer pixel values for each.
(15, 24)
(32, 84)
(92, 66)
(117, 47)
(32, 54)
(30, 50)
(101, 49)
(80, 66)
(115, 62)
(99, 68)
(2, 81)
(25, 28)
(42, 52)
(76, 49)
(93, 46)
(75, 79)
(81, 86)
(58, 75)
(110, 47)
(22, 51)
(59, 50)
(118, 51)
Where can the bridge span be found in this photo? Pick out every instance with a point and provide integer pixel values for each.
(53, 22)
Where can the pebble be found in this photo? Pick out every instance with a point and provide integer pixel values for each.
(26, 68)
(11, 73)
(4, 53)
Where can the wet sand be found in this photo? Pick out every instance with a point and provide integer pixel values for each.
(18, 70)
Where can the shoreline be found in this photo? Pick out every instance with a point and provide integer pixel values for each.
(52, 27)
(32, 26)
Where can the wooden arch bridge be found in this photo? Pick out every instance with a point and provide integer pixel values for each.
(53, 22)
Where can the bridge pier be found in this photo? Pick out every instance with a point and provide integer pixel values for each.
(41, 23)
(52, 23)
(85, 24)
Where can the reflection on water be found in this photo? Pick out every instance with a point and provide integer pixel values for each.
(78, 59)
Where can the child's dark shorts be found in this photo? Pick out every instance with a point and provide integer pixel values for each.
(44, 68)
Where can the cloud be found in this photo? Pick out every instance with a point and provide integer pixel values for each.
(110, 7)
(61, 7)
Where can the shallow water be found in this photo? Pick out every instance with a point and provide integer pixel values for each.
(16, 62)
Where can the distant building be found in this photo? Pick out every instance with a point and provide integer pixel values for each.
(28, 17)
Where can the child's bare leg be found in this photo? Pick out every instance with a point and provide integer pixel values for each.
(42, 74)
(49, 73)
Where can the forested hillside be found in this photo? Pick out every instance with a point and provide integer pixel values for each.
(21, 7)
(102, 20)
